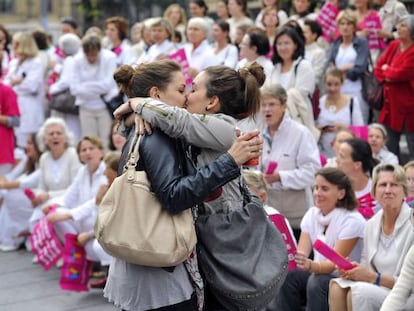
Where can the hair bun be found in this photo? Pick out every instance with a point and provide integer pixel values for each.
(123, 76)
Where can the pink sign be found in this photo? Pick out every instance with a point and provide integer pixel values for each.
(373, 23)
(180, 57)
(366, 205)
(332, 255)
(327, 19)
(75, 272)
(280, 223)
(45, 244)
(360, 131)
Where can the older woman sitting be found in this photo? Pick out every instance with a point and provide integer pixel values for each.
(387, 238)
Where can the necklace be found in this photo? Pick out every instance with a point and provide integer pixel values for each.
(332, 108)
(332, 105)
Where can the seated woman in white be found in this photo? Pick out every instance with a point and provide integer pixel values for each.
(17, 206)
(377, 137)
(80, 196)
(58, 166)
(388, 237)
(161, 34)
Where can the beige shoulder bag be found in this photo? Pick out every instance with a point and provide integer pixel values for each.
(133, 225)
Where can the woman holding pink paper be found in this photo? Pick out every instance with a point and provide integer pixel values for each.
(369, 23)
(334, 220)
(387, 238)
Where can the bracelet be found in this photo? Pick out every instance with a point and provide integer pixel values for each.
(378, 279)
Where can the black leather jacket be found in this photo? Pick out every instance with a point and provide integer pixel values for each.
(174, 179)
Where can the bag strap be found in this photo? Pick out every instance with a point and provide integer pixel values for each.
(351, 107)
(133, 156)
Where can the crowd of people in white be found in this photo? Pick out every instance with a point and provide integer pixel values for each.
(313, 114)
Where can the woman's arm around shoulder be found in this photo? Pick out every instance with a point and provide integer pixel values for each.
(215, 132)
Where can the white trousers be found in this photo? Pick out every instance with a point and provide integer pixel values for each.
(96, 123)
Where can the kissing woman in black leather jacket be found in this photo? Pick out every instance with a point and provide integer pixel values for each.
(177, 185)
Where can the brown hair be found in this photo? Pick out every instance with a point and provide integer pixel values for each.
(120, 23)
(31, 164)
(237, 91)
(93, 140)
(335, 72)
(112, 159)
(338, 178)
(91, 43)
(170, 8)
(347, 15)
(138, 82)
(276, 91)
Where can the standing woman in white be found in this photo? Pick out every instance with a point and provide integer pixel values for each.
(91, 78)
(350, 54)
(25, 76)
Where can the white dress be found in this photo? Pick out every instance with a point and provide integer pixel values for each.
(30, 95)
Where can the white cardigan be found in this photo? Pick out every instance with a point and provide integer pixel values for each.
(401, 296)
(302, 77)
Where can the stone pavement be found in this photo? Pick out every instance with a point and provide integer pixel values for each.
(25, 286)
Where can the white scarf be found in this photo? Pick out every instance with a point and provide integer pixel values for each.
(324, 221)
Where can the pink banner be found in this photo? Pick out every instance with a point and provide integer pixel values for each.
(366, 205)
(373, 23)
(280, 223)
(45, 244)
(327, 19)
(180, 57)
(360, 131)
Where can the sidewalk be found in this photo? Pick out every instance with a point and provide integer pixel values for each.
(26, 286)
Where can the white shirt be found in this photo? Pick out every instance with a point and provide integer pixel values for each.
(344, 225)
(228, 56)
(83, 188)
(261, 60)
(90, 81)
(296, 152)
(385, 156)
(317, 56)
(343, 116)
(158, 50)
(69, 166)
(30, 92)
(302, 79)
(200, 58)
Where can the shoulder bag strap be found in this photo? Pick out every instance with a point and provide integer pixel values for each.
(133, 156)
(351, 107)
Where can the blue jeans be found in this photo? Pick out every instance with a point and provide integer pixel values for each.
(303, 289)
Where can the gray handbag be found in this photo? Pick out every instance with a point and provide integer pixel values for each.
(242, 256)
(64, 102)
